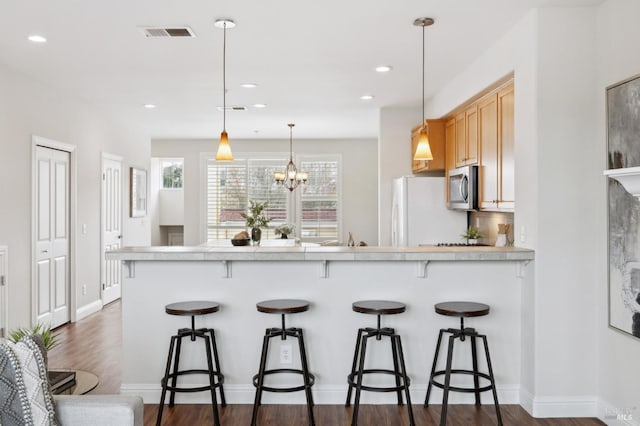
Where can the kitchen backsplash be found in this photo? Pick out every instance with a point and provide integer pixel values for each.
(487, 223)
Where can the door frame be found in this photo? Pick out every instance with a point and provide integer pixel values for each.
(71, 149)
(105, 156)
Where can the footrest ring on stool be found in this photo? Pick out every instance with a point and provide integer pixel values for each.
(312, 380)
(459, 389)
(216, 384)
(352, 378)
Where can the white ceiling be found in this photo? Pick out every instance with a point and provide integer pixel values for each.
(311, 60)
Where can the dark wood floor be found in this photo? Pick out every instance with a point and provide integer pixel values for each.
(95, 342)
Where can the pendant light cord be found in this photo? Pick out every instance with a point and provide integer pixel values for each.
(224, 78)
(423, 120)
(290, 142)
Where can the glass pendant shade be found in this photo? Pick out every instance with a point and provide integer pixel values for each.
(224, 149)
(423, 150)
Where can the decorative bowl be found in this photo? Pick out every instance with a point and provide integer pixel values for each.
(240, 242)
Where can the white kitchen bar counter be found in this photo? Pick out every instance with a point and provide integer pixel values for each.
(331, 278)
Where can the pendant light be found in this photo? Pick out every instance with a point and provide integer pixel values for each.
(291, 177)
(423, 150)
(224, 149)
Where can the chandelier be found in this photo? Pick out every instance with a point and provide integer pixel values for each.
(423, 150)
(291, 177)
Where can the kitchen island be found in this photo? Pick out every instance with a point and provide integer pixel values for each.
(331, 278)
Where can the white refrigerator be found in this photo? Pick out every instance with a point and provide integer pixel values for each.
(419, 214)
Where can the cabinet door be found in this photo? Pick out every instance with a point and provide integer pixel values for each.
(506, 200)
(471, 118)
(450, 150)
(461, 140)
(435, 130)
(488, 170)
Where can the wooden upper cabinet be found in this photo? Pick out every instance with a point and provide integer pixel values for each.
(488, 164)
(467, 136)
(506, 125)
(461, 140)
(450, 149)
(436, 132)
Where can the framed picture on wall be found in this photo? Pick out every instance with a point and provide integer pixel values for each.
(623, 151)
(137, 192)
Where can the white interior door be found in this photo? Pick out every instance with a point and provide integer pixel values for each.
(111, 226)
(52, 206)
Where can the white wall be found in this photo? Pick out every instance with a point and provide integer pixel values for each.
(618, 35)
(359, 171)
(394, 159)
(27, 108)
(557, 155)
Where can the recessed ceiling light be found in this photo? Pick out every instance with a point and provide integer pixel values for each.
(37, 38)
(366, 97)
(383, 68)
(248, 85)
(259, 105)
(149, 106)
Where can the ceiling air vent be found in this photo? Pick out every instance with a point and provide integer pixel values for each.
(167, 32)
(233, 108)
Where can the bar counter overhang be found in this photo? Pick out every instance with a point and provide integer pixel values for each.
(331, 278)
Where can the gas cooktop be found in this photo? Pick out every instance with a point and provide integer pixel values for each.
(461, 245)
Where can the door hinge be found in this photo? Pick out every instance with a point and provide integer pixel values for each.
(2, 282)
(1, 332)
(104, 176)
(103, 286)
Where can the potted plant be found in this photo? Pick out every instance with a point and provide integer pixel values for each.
(49, 339)
(285, 230)
(255, 219)
(472, 235)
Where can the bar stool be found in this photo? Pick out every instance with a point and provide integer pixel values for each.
(462, 310)
(378, 307)
(216, 378)
(282, 307)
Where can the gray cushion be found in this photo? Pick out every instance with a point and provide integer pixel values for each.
(13, 397)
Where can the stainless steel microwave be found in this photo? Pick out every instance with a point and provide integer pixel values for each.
(463, 188)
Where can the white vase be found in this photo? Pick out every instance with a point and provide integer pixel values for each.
(501, 241)
(472, 241)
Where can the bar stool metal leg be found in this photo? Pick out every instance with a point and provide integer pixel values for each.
(493, 381)
(165, 379)
(474, 359)
(214, 402)
(394, 352)
(356, 405)
(433, 368)
(447, 382)
(217, 364)
(305, 374)
(176, 363)
(355, 364)
(405, 378)
(263, 362)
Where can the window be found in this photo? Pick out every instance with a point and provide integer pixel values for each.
(319, 202)
(314, 208)
(171, 174)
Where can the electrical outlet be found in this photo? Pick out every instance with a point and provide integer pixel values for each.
(84, 289)
(285, 354)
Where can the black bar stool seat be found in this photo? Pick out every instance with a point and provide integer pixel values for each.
(215, 376)
(283, 307)
(355, 378)
(462, 310)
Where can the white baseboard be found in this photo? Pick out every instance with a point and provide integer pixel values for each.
(88, 309)
(562, 406)
(322, 395)
(612, 415)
